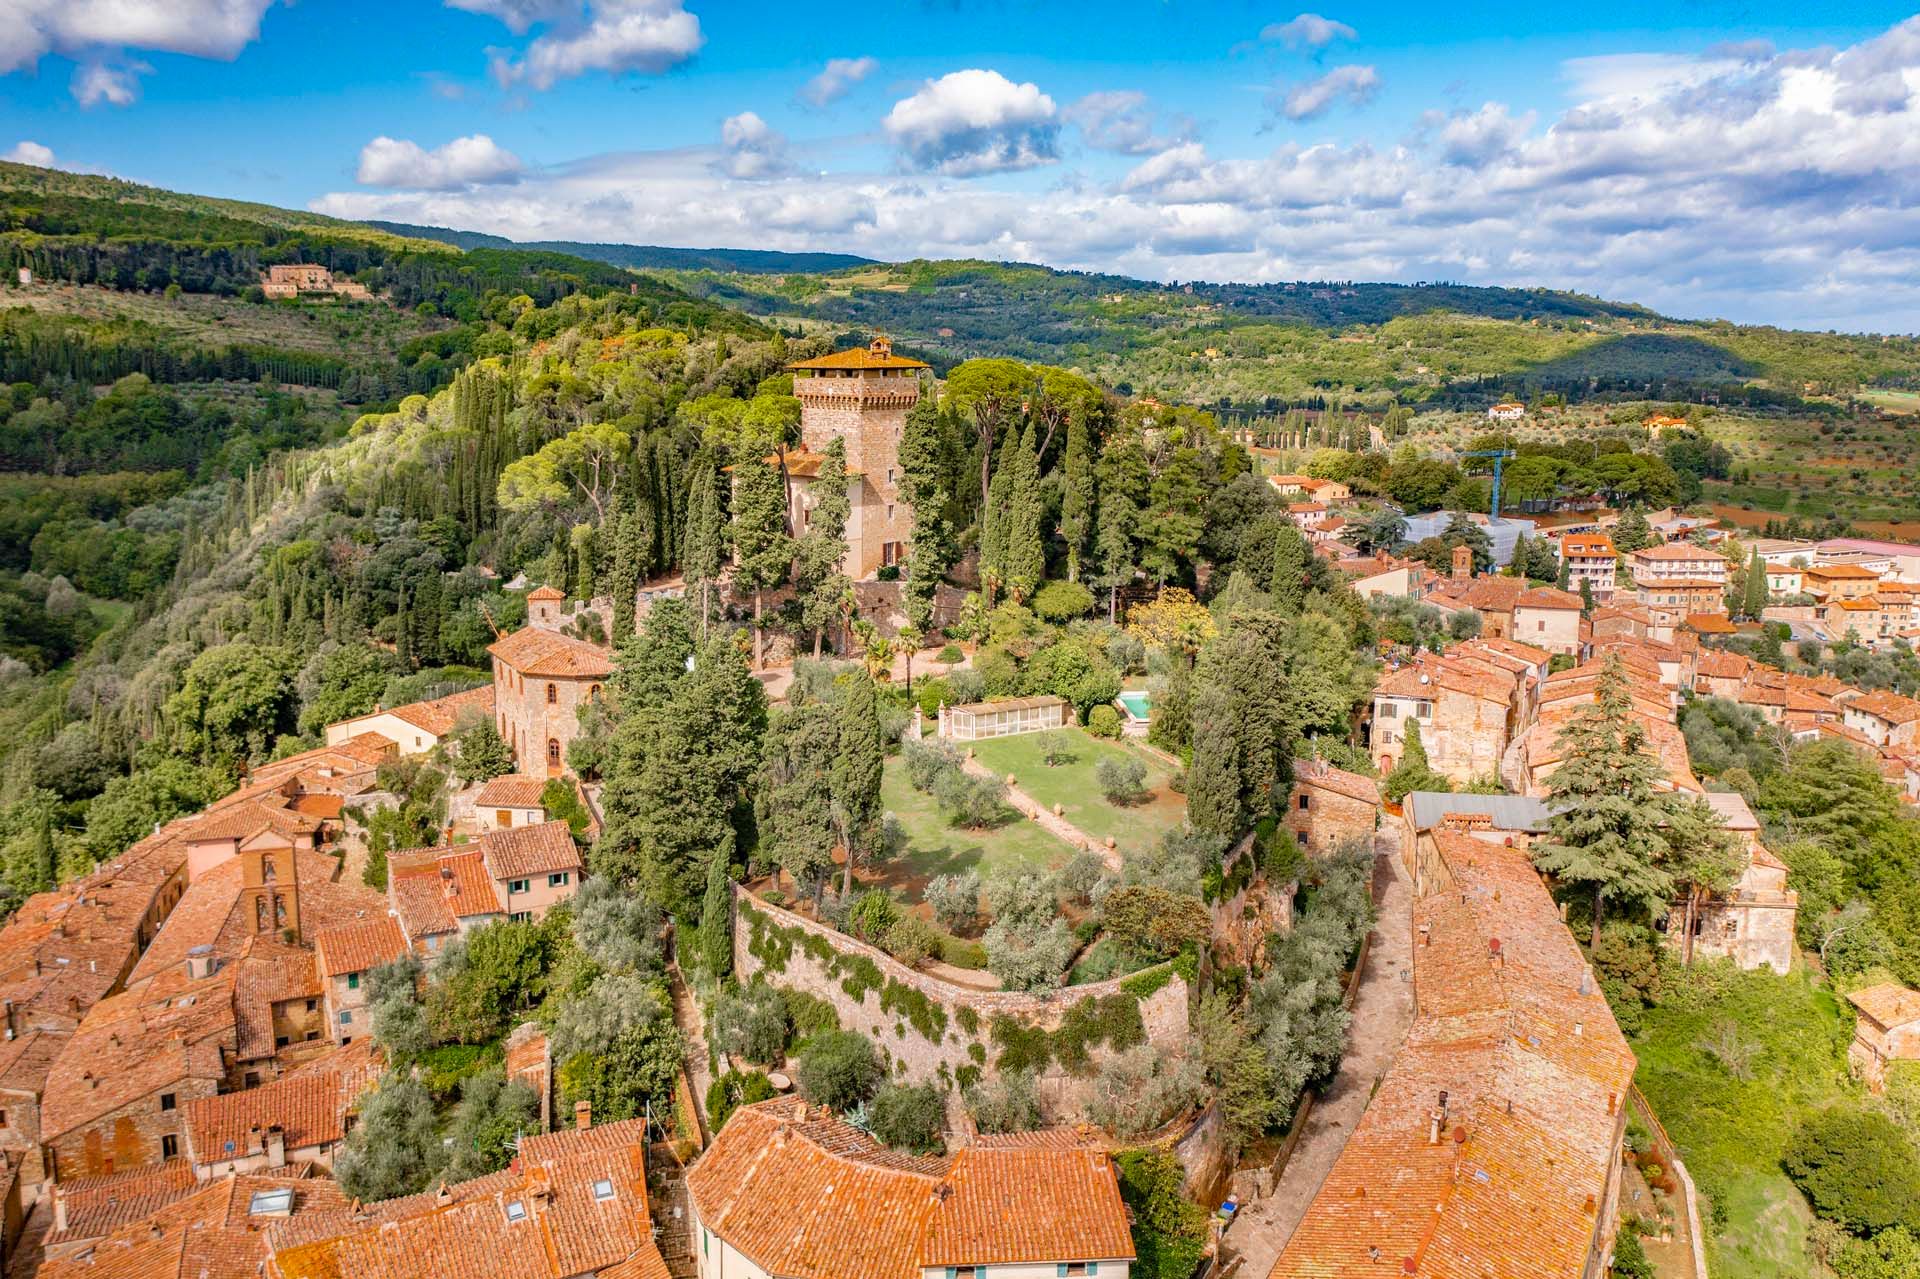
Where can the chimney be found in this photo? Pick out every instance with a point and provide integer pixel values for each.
(254, 1144)
(443, 1196)
(582, 1115)
(276, 1147)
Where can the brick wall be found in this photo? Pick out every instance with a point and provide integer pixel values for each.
(1328, 818)
(915, 1057)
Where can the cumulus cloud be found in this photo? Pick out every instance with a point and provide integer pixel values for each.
(972, 122)
(1752, 188)
(1306, 32)
(475, 160)
(97, 33)
(519, 15)
(751, 148)
(29, 152)
(836, 80)
(1310, 98)
(617, 36)
(1121, 120)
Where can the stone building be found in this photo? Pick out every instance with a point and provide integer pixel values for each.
(1887, 1029)
(1466, 709)
(299, 1119)
(1330, 806)
(861, 397)
(290, 280)
(509, 801)
(541, 679)
(343, 956)
(1548, 618)
(1752, 922)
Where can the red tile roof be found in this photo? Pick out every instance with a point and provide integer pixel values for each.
(433, 889)
(95, 1206)
(549, 654)
(804, 1196)
(1888, 706)
(1888, 1003)
(268, 972)
(307, 1107)
(1587, 546)
(1512, 1030)
(358, 946)
(511, 791)
(1548, 597)
(523, 851)
(211, 1233)
(1325, 776)
(877, 354)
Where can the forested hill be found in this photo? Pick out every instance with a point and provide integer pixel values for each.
(1308, 341)
(642, 256)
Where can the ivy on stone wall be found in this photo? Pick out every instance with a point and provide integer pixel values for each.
(1146, 983)
(1113, 1020)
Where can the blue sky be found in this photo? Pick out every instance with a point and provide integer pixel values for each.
(1758, 161)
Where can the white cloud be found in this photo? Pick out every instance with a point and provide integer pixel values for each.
(972, 122)
(98, 32)
(96, 82)
(1121, 120)
(1756, 188)
(28, 152)
(1310, 98)
(836, 80)
(519, 14)
(470, 161)
(619, 36)
(1308, 31)
(751, 148)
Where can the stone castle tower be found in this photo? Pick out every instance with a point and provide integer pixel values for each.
(861, 397)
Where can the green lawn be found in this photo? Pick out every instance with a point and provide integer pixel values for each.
(1072, 786)
(1731, 1130)
(935, 847)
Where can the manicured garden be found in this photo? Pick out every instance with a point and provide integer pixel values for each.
(1071, 781)
(937, 846)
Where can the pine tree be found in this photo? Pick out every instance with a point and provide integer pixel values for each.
(1604, 833)
(854, 780)
(1026, 559)
(705, 547)
(765, 551)
(1077, 496)
(1632, 533)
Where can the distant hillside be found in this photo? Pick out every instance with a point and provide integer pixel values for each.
(1248, 345)
(643, 256)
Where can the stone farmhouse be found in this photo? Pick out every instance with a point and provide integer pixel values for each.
(292, 280)
(787, 1190)
(1483, 1152)
(1329, 806)
(1886, 1029)
(440, 893)
(860, 397)
(541, 679)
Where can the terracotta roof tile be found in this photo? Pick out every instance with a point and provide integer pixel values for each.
(1320, 774)
(532, 651)
(1889, 1003)
(307, 1107)
(523, 851)
(1548, 597)
(1888, 706)
(213, 1233)
(357, 946)
(511, 791)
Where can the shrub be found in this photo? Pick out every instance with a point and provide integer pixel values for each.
(1138, 1090)
(733, 1090)
(1858, 1168)
(962, 953)
(911, 940)
(1056, 748)
(1122, 781)
(950, 655)
(1059, 602)
(1026, 955)
(1154, 921)
(970, 801)
(809, 1015)
(872, 915)
(1169, 1230)
(930, 693)
(751, 1022)
(1103, 721)
(839, 1069)
(955, 898)
(907, 1117)
(1009, 1102)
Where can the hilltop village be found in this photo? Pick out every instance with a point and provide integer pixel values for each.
(1285, 923)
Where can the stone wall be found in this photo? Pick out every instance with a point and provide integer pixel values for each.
(529, 721)
(930, 1030)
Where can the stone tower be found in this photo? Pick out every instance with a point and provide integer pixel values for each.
(861, 397)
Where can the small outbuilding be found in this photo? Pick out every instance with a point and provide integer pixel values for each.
(1887, 1029)
(1003, 718)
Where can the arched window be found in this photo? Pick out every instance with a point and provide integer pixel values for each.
(593, 692)
(553, 694)
(553, 751)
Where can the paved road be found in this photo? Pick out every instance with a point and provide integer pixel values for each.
(1382, 1013)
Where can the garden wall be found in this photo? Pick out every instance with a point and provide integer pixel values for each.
(931, 1030)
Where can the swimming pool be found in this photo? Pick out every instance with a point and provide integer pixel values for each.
(1136, 703)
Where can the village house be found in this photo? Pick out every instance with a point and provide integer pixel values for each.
(1482, 1151)
(1329, 807)
(1466, 709)
(292, 279)
(514, 873)
(342, 957)
(1679, 561)
(1830, 583)
(541, 679)
(1886, 1029)
(1308, 488)
(417, 727)
(861, 397)
(1752, 922)
(788, 1190)
(1783, 580)
(1883, 718)
(572, 1205)
(1549, 619)
(1380, 574)
(1590, 558)
(299, 1119)
(1506, 411)
(508, 801)
(164, 1223)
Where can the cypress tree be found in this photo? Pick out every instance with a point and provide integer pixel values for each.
(854, 780)
(1288, 584)
(995, 519)
(822, 549)
(1026, 557)
(765, 551)
(629, 552)
(716, 917)
(1756, 594)
(705, 551)
(1076, 498)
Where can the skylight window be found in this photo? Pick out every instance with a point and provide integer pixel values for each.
(270, 1203)
(602, 1190)
(516, 1210)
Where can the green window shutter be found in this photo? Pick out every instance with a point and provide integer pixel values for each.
(1060, 1271)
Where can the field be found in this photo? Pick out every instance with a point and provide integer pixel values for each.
(1859, 468)
(364, 330)
(936, 847)
(1732, 1118)
(1072, 785)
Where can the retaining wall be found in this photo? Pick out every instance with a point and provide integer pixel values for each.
(932, 1031)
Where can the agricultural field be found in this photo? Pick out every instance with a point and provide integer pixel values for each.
(1857, 468)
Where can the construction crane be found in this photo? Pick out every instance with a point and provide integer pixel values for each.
(1499, 456)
